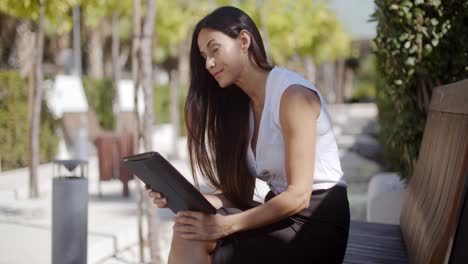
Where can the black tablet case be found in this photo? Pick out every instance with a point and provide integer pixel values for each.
(155, 171)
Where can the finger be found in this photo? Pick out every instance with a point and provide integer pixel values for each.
(160, 202)
(186, 220)
(194, 236)
(155, 195)
(184, 229)
(193, 214)
(151, 193)
(161, 205)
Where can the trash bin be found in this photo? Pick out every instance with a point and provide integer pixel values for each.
(111, 148)
(69, 212)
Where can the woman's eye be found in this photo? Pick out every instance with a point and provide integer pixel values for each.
(215, 50)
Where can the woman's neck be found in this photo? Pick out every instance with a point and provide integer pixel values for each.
(253, 83)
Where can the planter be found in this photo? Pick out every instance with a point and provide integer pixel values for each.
(385, 198)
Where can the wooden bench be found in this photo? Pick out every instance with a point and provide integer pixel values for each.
(434, 218)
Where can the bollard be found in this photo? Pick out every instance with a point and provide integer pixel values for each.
(69, 213)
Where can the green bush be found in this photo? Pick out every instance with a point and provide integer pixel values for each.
(100, 94)
(14, 128)
(419, 45)
(364, 91)
(162, 104)
(364, 83)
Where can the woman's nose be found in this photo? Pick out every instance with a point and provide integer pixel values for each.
(209, 63)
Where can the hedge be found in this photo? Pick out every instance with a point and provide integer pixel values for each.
(14, 128)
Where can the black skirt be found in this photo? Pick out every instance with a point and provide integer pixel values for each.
(317, 234)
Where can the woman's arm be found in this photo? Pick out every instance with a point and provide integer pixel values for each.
(299, 109)
(218, 200)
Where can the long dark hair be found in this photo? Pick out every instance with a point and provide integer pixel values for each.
(217, 119)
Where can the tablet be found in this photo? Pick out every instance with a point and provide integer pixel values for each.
(155, 171)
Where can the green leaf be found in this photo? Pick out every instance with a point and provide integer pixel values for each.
(427, 49)
(407, 44)
(410, 61)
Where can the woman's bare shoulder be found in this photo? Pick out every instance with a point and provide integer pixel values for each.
(297, 98)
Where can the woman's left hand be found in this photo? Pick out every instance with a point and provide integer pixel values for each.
(201, 226)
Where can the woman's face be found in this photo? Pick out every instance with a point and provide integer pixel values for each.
(224, 56)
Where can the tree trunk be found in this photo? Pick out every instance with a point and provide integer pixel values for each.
(148, 116)
(147, 68)
(136, 30)
(340, 80)
(179, 80)
(328, 81)
(25, 42)
(59, 44)
(310, 69)
(116, 68)
(95, 54)
(175, 92)
(348, 83)
(184, 63)
(24, 48)
(76, 41)
(35, 121)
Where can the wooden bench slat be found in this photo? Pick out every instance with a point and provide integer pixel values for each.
(375, 243)
(375, 258)
(392, 245)
(375, 251)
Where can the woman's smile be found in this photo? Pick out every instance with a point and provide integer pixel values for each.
(217, 74)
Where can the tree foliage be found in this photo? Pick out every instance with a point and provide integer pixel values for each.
(94, 11)
(310, 29)
(57, 12)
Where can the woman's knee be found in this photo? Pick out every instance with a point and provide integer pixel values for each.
(195, 245)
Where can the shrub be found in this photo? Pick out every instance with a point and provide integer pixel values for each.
(162, 104)
(14, 128)
(100, 94)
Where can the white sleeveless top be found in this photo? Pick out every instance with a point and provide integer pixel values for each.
(269, 163)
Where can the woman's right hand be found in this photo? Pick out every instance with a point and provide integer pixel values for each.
(157, 197)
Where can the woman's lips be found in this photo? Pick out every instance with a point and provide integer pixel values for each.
(216, 74)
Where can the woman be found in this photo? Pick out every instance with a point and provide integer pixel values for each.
(247, 119)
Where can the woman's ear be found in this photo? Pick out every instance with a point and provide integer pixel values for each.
(244, 38)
